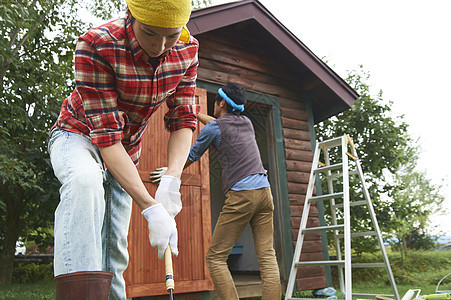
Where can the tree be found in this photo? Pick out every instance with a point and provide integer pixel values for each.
(37, 40)
(415, 199)
(36, 59)
(384, 148)
(200, 3)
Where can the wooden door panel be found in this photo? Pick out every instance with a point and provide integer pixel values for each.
(145, 275)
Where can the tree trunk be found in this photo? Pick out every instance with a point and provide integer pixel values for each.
(405, 246)
(401, 249)
(9, 244)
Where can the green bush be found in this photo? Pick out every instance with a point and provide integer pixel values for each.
(32, 272)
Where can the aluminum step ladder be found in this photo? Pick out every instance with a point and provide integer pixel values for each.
(340, 227)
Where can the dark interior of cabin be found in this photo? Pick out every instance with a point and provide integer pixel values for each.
(243, 259)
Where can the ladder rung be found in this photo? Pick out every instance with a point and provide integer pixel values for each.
(372, 295)
(325, 197)
(331, 143)
(359, 234)
(341, 174)
(338, 263)
(368, 265)
(320, 262)
(328, 168)
(323, 228)
(352, 203)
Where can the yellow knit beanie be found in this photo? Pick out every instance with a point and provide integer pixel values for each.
(162, 13)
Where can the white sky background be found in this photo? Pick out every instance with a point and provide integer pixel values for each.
(406, 48)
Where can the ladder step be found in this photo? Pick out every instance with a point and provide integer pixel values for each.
(338, 263)
(359, 234)
(352, 203)
(323, 228)
(320, 263)
(328, 168)
(331, 143)
(368, 265)
(325, 197)
(341, 174)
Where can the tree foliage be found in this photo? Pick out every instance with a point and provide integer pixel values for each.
(414, 200)
(388, 157)
(37, 39)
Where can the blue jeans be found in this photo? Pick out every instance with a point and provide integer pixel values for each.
(93, 216)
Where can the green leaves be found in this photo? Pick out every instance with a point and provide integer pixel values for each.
(37, 40)
(416, 199)
(15, 172)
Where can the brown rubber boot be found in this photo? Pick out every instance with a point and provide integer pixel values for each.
(86, 285)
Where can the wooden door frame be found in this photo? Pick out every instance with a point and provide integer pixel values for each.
(279, 186)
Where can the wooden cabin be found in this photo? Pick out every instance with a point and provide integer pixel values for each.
(289, 90)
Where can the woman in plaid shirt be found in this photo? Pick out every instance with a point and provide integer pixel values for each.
(124, 70)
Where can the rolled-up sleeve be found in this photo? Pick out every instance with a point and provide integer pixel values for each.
(95, 85)
(182, 104)
(209, 135)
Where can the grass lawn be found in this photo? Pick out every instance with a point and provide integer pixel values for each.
(374, 288)
(420, 270)
(26, 291)
(46, 290)
(387, 290)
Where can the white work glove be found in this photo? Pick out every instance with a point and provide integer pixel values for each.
(162, 229)
(156, 175)
(168, 194)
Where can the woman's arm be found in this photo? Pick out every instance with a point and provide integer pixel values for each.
(124, 171)
(178, 149)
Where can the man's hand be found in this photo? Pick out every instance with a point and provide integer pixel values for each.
(168, 194)
(156, 175)
(162, 229)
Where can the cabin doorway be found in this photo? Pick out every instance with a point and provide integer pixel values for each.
(242, 261)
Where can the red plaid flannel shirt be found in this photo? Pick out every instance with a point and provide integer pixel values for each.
(117, 89)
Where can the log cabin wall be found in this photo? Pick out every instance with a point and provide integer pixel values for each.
(235, 54)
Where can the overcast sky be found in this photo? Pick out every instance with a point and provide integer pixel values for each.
(406, 48)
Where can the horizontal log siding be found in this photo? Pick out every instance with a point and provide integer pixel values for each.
(223, 59)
